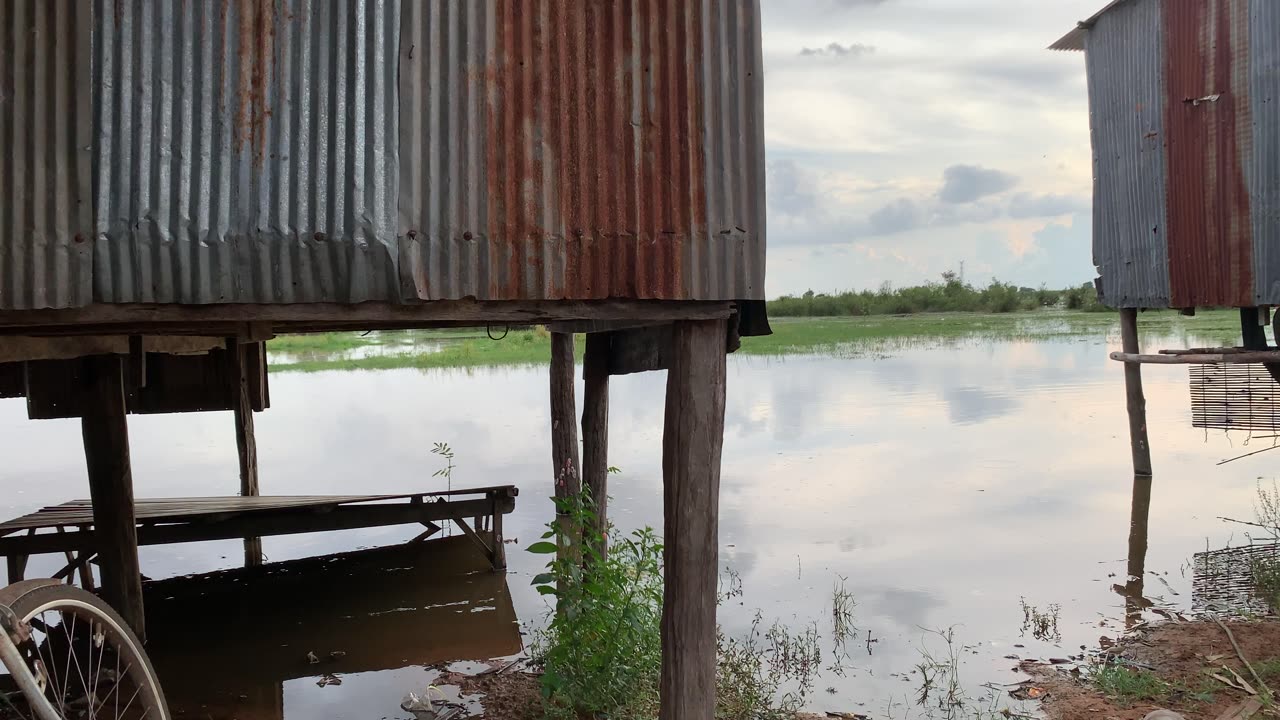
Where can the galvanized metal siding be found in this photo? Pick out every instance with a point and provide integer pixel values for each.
(246, 151)
(731, 263)
(1264, 166)
(1125, 56)
(581, 150)
(46, 209)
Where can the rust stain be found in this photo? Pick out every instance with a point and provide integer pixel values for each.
(255, 57)
(595, 143)
(1210, 242)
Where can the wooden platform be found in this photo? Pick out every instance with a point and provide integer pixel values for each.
(68, 528)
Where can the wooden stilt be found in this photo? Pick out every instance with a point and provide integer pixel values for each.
(1137, 403)
(16, 566)
(595, 435)
(106, 450)
(246, 442)
(691, 445)
(564, 429)
(499, 546)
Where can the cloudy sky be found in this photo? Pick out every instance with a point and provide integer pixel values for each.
(907, 136)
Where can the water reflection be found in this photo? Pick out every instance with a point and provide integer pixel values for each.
(1139, 518)
(944, 483)
(228, 644)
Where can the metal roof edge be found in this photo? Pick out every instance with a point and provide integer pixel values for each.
(1074, 40)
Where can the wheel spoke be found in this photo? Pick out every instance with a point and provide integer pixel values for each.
(115, 689)
(136, 690)
(66, 680)
(84, 684)
(97, 674)
(50, 669)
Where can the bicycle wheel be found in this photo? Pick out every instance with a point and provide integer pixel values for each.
(87, 660)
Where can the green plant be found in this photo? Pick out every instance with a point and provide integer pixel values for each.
(1043, 625)
(601, 650)
(1128, 685)
(1266, 580)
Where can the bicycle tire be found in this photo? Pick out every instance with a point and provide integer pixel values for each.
(34, 600)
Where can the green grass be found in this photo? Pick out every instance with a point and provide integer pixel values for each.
(1129, 685)
(869, 336)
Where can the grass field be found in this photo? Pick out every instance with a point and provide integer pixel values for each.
(844, 336)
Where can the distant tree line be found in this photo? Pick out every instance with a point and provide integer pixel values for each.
(950, 295)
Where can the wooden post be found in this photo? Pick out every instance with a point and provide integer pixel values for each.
(106, 451)
(499, 543)
(564, 428)
(692, 439)
(1137, 403)
(1139, 515)
(246, 442)
(16, 565)
(595, 435)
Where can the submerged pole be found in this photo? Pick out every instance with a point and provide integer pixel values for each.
(106, 453)
(1136, 401)
(692, 440)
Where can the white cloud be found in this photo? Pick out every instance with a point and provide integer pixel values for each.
(958, 137)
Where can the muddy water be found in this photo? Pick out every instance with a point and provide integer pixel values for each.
(946, 485)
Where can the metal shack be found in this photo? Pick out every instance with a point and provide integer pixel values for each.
(181, 181)
(1184, 107)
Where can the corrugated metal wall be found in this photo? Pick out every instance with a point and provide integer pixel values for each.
(286, 151)
(246, 151)
(1125, 66)
(1263, 172)
(591, 150)
(1186, 135)
(1208, 140)
(46, 212)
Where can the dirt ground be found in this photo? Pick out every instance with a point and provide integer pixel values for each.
(1184, 657)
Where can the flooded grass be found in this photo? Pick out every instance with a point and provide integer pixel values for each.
(873, 336)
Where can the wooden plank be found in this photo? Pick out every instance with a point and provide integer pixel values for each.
(1231, 358)
(13, 379)
(288, 522)
(188, 319)
(18, 348)
(246, 442)
(692, 440)
(106, 449)
(174, 383)
(1136, 402)
(80, 512)
(595, 434)
(640, 350)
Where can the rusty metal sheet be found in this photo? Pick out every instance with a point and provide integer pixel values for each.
(46, 210)
(581, 150)
(1209, 125)
(1264, 166)
(246, 151)
(1125, 64)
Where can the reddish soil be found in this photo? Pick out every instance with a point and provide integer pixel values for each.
(1181, 654)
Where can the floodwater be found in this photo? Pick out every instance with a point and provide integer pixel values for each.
(944, 486)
